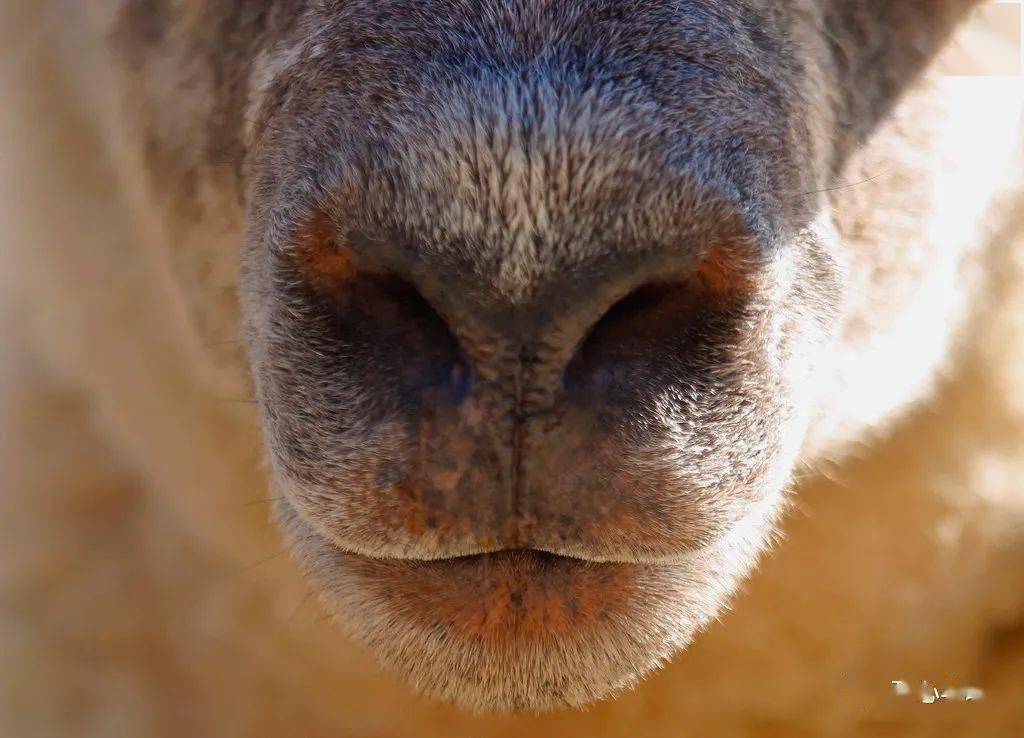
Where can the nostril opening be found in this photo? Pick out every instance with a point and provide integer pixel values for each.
(380, 319)
(387, 318)
(409, 332)
(653, 320)
(461, 379)
(661, 326)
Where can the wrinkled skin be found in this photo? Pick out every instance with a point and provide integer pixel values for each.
(544, 300)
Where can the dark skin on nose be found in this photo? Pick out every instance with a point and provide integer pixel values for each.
(567, 280)
(458, 397)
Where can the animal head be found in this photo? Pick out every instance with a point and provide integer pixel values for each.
(539, 297)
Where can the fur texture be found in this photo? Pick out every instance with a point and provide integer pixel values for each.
(525, 167)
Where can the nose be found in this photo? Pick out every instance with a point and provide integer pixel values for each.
(439, 333)
(509, 414)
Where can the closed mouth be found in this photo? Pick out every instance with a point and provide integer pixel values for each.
(503, 594)
(517, 628)
(540, 559)
(389, 536)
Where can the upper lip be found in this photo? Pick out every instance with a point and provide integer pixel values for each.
(286, 508)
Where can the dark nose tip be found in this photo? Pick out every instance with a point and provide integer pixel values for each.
(579, 340)
(492, 423)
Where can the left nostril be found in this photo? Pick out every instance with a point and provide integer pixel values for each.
(392, 314)
(378, 318)
(386, 317)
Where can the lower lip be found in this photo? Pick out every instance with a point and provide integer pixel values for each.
(511, 599)
(511, 630)
(516, 594)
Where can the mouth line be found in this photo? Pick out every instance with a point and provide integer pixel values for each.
(538, 555)
(522, 620)
(285, 510)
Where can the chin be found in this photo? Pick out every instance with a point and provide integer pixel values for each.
(523, 630)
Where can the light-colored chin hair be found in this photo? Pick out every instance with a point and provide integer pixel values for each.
(671, 604)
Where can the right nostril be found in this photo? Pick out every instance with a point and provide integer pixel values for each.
(635, 333)
(660, 326)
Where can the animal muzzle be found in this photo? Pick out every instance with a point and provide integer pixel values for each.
(592, 418)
